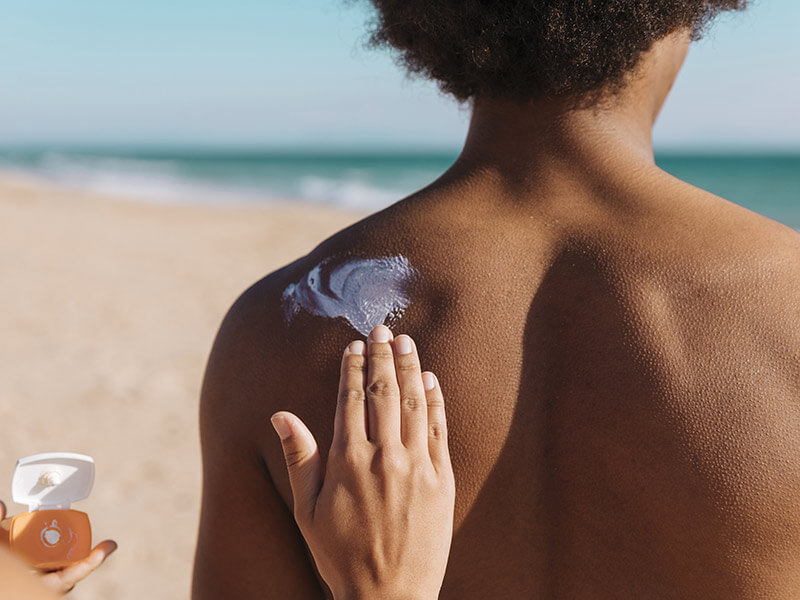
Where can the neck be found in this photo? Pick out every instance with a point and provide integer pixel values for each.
(507, 135)
(520, 143)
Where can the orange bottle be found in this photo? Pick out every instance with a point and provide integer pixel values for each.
(50, 535)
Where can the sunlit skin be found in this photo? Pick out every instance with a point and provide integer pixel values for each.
(620, 353)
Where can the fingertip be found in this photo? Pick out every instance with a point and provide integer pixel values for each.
(403, 344)
(281, 424)
(430, 381)
(380, 334)
(355, 348)
(290, 427)
(108, 547)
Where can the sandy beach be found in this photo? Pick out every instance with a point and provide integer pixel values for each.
(109, 309)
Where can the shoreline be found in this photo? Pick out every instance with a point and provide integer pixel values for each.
(111, 308)
(764, 181)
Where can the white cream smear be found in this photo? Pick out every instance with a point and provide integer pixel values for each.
(365, 291)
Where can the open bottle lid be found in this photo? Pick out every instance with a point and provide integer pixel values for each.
(53, 480)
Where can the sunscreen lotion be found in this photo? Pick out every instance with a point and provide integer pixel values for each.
(50, 535)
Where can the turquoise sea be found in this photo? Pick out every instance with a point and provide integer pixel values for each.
(766, 183)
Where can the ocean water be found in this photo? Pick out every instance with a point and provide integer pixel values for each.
(360, 180)
(766, 183)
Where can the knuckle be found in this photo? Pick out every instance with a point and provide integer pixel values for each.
(355, 364)
(381, 387)
(428, 478)
(351, 396)
(336, 453)
(435, 402)
(355, 457)
(407, 366)
(411, 402)
(346, 456)
(351, 458)
(391, 461)
(437, 431)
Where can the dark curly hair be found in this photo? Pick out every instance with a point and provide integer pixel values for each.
(523, 49)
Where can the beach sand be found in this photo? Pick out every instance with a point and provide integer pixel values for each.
(109, 309)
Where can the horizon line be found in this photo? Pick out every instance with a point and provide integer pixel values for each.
(328, 149)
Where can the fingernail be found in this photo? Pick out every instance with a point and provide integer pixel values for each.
(429, 381)
(402, 344)
(380, 334)
(356, 347)
(281, 426)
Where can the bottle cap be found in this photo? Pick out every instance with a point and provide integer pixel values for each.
(53, 480)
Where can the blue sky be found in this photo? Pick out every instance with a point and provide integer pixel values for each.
(296, 73)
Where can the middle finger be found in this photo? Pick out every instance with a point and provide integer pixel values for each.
(383, 393)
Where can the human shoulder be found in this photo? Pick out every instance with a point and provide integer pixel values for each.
(746, 251)
(237, 362)
(723, 281)
(256, 353)
(687, 231)
(242, 386)
(256, 318)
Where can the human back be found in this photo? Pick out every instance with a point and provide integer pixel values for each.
(619, 356)
(621, 388)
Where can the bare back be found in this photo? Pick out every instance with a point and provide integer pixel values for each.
(622, 375)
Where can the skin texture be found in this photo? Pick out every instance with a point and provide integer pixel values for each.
(378, 518)
(620, 353)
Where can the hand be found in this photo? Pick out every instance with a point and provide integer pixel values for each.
(380, 523)
(63, 580)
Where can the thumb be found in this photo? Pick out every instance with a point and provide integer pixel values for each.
(302, 461)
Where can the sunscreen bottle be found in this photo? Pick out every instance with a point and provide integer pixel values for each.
(50, 536)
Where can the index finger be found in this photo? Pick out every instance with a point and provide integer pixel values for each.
(351, 421)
